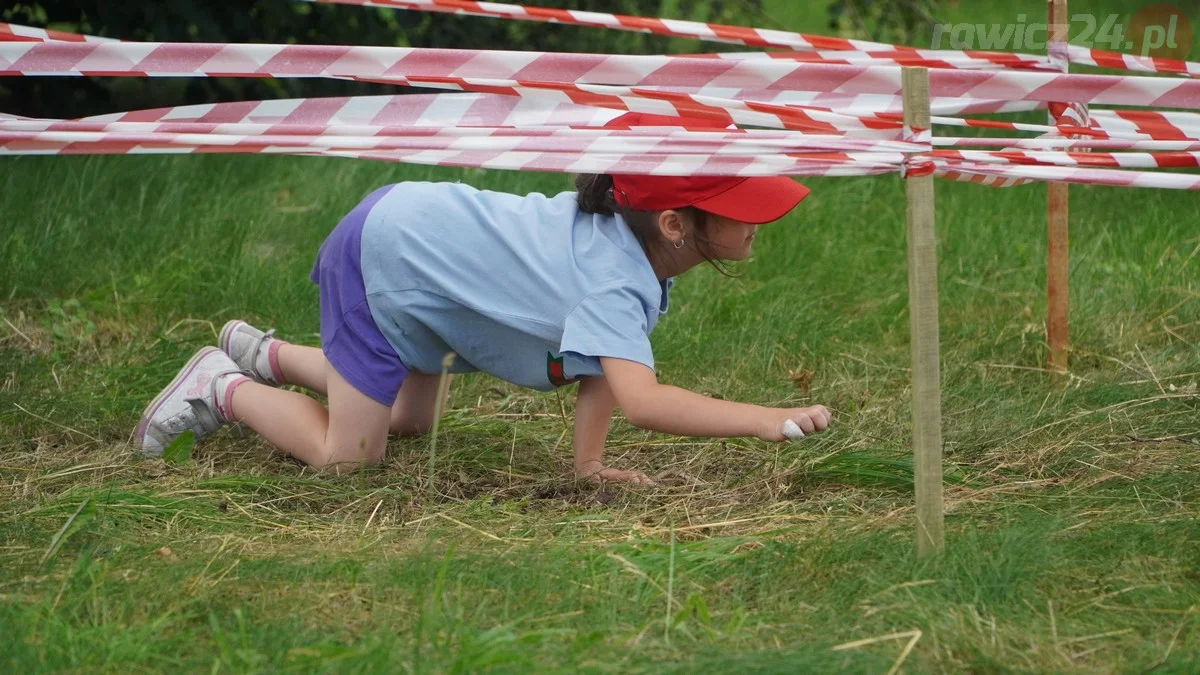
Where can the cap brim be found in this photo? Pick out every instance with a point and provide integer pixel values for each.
(756, 200)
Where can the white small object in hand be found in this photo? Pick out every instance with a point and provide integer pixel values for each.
(792, 431)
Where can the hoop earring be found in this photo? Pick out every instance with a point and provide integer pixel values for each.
(679, 244)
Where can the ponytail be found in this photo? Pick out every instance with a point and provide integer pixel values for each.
(594, 193)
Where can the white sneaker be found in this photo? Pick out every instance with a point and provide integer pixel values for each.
(253, 351)
(197, 399)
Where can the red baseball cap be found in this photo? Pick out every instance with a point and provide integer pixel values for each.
(754, 200)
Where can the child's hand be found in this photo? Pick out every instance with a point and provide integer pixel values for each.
(597, 473)
(809, 420)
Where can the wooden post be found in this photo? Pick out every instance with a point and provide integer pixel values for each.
(923, 320)
(1057, 225)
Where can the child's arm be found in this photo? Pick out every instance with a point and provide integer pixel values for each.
(593, 415)
(672, 410)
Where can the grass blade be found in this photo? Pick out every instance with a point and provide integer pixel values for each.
(77, 520)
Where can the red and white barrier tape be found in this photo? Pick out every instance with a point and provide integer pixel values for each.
(666, 102)
(981, 179)
(480, 109)
(807, 48)
(812, 164)
(903, 56)
(1147, 123)
(758, 37)
(448, 110)
(1052, 142)
(638, 164)
(555, 148)
(1076, 175)
(11, 32)
(402, 115)
(1119, 61)
(662, 140)
(667, 152)
(1095, 131)
(1108, 160)
(863, 105)
(408, 65)
(851, 104)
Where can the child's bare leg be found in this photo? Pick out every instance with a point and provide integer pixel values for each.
(303, 366)
(351, 433)
(417, 405)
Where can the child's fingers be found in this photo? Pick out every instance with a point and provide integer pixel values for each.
(820, 417)
(620, 476)
(804, 421)
(633, 478)
(643, 479)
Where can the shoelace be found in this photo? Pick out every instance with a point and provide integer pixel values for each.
(206, 409)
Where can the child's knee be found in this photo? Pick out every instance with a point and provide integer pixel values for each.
(342, 459)
(404, 423)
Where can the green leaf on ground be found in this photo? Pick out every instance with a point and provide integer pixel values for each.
(179, 451)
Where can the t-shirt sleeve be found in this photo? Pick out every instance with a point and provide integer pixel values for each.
(609, 323)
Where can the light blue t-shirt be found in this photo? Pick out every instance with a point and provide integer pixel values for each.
(528, 289)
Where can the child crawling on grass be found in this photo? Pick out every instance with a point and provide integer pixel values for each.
(539, 291)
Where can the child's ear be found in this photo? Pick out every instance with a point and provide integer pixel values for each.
(671, 226)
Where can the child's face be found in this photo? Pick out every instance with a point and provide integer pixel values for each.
(729, 239)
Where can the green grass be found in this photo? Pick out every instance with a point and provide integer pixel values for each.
(1074, 499)
(1073, 504)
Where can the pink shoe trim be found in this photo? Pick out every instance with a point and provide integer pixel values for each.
(226, 411)
(273, 357)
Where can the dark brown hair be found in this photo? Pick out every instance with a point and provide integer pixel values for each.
(594, 192)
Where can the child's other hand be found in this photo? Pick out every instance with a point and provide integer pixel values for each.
(810, 420)
(598, 473)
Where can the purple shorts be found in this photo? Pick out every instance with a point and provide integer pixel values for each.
(349, 337)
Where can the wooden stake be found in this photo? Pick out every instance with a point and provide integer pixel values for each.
(923, 319)
(1057, 226)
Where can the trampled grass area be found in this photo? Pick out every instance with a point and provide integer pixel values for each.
(1073, 543)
